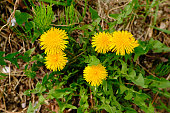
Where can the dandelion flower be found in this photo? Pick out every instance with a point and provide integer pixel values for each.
(95, 74)
(53, 41)
(102, 42)
(56, 61)
(123, 41)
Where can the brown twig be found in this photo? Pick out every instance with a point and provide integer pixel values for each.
(145, 68)
(130, 84)
(166, 38)
(158, 92)
(69, 52)
(76, 57)
(3, 35)
(18, 83)
(10, 42)
(131, 23)
(5, 46)
(13, 112)
(9, 74)
(91, 98)
(116, 8)
(67, 25)
(11, 16)
(79, 54)
(4, 102)
(150, 29)
(100, 13)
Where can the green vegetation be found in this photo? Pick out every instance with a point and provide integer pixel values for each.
(130, 86)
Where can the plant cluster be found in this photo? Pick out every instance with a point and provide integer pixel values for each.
(95, 71)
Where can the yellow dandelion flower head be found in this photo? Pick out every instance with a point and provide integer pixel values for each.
(53, 40)
(102, 42)
(56, 61)
(123, 41)
(95, 74)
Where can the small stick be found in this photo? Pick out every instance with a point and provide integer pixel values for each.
(18, 82)
(132, 23)
(5, 46)
(10, 42)
(13, 112)
(149, 29)
(9, 74)
(158, 92)
(76, 57)
(117, 8)
(145, 69)
(11, 16)
(4, 102)
(91, 98)
(166, 38)
(66, 25)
